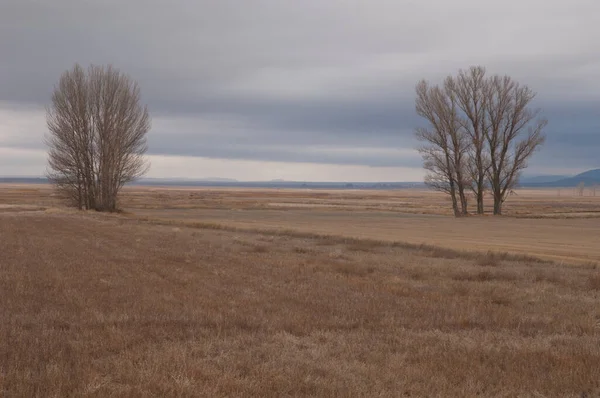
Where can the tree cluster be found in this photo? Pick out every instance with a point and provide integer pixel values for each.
(481, 133)
(96, 140)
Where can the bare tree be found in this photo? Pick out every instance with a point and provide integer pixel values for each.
(482, 133)
(470, 88)
(445, 146)
(514, 133)
(97, 136)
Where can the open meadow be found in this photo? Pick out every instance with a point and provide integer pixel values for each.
(548, 223)
(233, 292)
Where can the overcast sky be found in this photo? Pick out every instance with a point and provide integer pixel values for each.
(299, 90)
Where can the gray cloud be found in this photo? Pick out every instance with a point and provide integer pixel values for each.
(312, 81)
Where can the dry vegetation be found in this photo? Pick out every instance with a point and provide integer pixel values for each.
(542, 203)
(112, 305)
(531, 203)
(541, 223)
(556, 225)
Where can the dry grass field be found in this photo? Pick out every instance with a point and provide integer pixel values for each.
(541, 223)
(530, 203)
(270, 293)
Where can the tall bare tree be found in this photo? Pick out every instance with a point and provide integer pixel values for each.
(515, 132)
(481, 135)
(445, 146)
(470, 89)
(97, 135)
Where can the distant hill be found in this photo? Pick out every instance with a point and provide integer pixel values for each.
(284, 184)
(225, 182)
(208, 179)
(542, 179)
(23, 180)
(589, 177)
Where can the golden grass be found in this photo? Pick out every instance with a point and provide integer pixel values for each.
(528, 203)
(566, 241)
(96, 305)
(554, 230)
(230, 292)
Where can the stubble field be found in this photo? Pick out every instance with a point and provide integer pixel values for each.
(215, 292)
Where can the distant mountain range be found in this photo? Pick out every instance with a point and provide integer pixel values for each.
(589, 178)
(280, 184)
(226, 182)
(208, 179)
(542, 179)
(23, 180)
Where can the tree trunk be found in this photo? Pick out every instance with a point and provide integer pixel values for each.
(479, 177)
(480, 191)
(454, 201)
(79, 194)
(497, 204)
(457, 212)
(463, 201)
(480, 200)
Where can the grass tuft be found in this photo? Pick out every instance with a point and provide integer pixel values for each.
(490, 259)
(594, 282)
(352, 269)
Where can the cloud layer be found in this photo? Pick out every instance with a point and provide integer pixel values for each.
(322, 86)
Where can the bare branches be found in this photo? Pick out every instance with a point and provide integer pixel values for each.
(470, 89)
(481, 135)
(515, 132)
(97, 135)
(445, 145)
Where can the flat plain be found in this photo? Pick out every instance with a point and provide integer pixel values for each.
(231, 292)
(548, 223)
